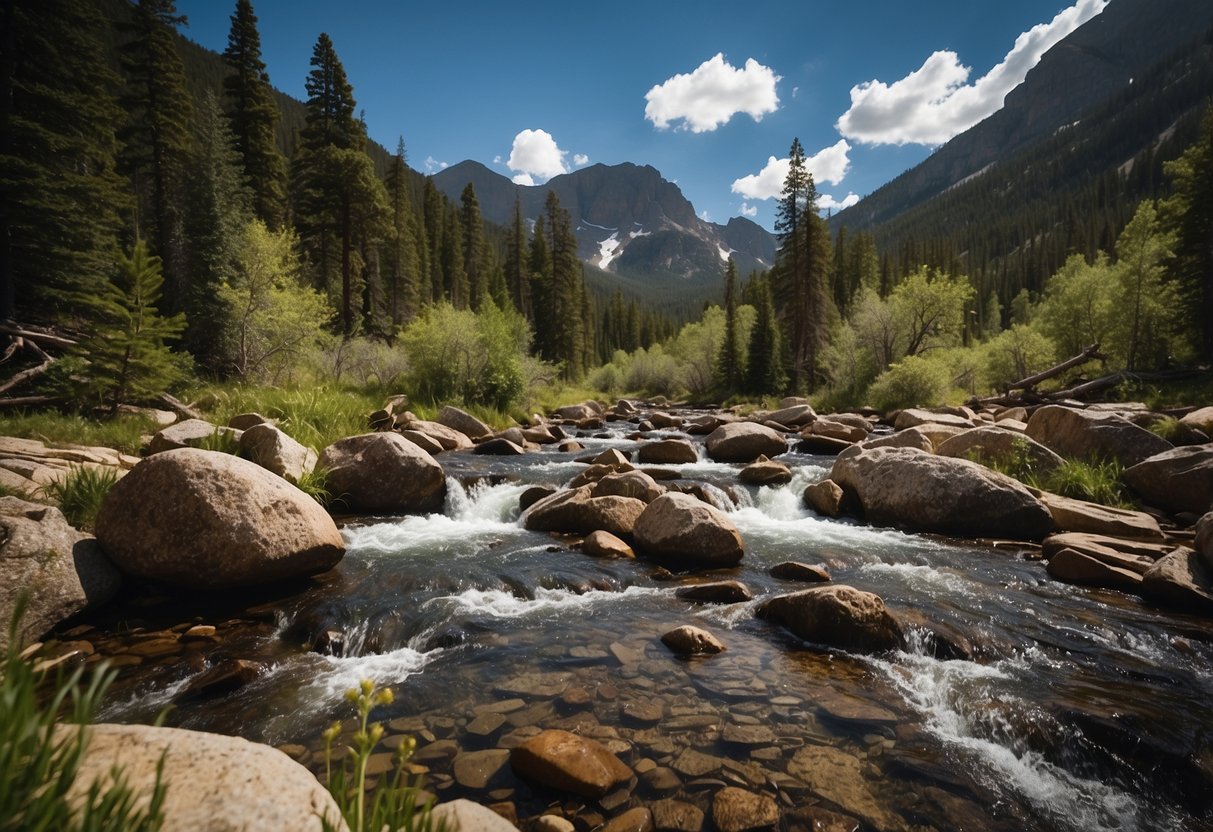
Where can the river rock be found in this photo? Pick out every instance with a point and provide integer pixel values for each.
(577, 511)
(692, 641)
(676, 816)
(685, 531)
(579, 412)
(913, 417)
(533, 495)
(567, 762)
(826, 498)
(539, 435)
(244, 421)
(837, 616)
(1200, 419)
(738, 810)
(276, 452)
(464, 422)
(1180, 479)
(1133, 554)
(426, 443)
(62, 571)
(449, 438)
(478, 769)
(990, 444)
(716, 592)
(202, 519)
(794, 416)
(1204, 538)
(661, 419)
(917, 490)
(832, 428)
(636, 484)
(821, 445)
(603, 544)
(214, 783)
(1080, 434)
(189, 434)
(594, 473)
(223, 678)
(1074, 567)
(765, 472)
(1070, 515)
(499, 446)
(916, 437)
(667, 452)
(1181, 580)
(383, 472)
(744, 442)
(795, 571)
(837, 776)
(467, 816)
(552, 823)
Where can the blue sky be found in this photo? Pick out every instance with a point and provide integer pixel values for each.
(706, 92)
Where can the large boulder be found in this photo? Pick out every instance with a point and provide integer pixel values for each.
(1181, 580)
(744, 442)
(765, 471)
(832, 428)
(992, 445)
(1201, 419)
(913, 417)
(635, 484)
(826, 498)
(1180, 479)
(667, 452)
(276, 452)
(383, 472)
(191, 433)
(203, 519)
(916, 490)
(837, 616)
(577, 511)
(214, 783)
(570, 763)
(685, 531)
(61, 571)
(464, 422)
(1081, 434)
(794, 416)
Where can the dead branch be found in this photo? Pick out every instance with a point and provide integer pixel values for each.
(32, 372)
(49, 339)
(1089, 354)
(1093, 386)
(29, 401)
(183, 410)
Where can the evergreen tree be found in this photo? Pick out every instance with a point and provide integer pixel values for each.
(218, 211)
(60, 194)
(516, 273)
(565, 313)
(157, 138)
(1190, 210)
(728, 366)
(330, 103)
(764, 372)
(127, 355)
(474, 265)
(253, 116)
(454, 275)
(541, 290)
(433, 206)
(401, 266)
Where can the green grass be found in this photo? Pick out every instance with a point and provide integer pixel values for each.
(392, 804)
(9, 491)
(1169, 428)
(314, 484)
(316, 416)
(79, 494)
(124, 432)
(1096, 482)
(39, 763)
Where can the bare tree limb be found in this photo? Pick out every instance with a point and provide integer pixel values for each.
(29, 401)
(33, 372)
(183, 410)
(1089, 354)
(50, 339)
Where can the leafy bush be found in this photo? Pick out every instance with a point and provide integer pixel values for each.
(39, 762)
(913, 381)
(80, 492)
(392, 805)
(1016, 354)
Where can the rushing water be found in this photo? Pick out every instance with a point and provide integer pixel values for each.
(1072, 709)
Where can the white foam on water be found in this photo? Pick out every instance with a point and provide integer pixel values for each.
(338, 675)
(497, 603)
(951, 695)
(927, 580)
(142, 700)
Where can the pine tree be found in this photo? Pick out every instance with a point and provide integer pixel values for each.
(564, 314)
(433, 206)
(764, 372)
(253, 117)
(728, 365)
(516, 262)
(1190, 210)
(60, 194)
(793, 281)
(454, 275)
(127, 355)
(401, 269)
(218, 209)
(157, 138)
(474, 264)
(330, 102)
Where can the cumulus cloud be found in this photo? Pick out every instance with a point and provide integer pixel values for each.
(712, 94)
(432, 165)
(830, 164)
(935, 102)
(580, 159)
(748, 210)
(535, 157)
(825, 202)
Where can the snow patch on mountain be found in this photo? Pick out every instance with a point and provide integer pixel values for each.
(608, 250)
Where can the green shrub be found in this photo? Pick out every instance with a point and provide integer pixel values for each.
(39, 764)
(392, 805)
(1098, 482)
(1169, 428)
(912, 382)
(80, 492)
(1016, 464)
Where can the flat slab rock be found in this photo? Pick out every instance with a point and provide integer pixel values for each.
(570, 763)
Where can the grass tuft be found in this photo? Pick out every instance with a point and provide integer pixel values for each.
(80, 492)
(1096, 482)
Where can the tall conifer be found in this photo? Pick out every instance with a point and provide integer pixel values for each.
(474, 265)
(401, 253)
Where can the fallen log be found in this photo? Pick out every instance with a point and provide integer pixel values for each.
(49, 339)
(1089, 354)
(177, 406)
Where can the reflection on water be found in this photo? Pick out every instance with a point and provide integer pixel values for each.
(1080, 711)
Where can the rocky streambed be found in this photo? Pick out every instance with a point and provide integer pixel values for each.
(1011, 700)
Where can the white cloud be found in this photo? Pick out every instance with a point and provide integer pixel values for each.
(705, 216)
(580, 159)
(536, 156)
(497, 159)
(523, 179)
(432, 165)
(748, 210)
(935, 102)
(830, 164)
(825, 202)
(711, 95)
